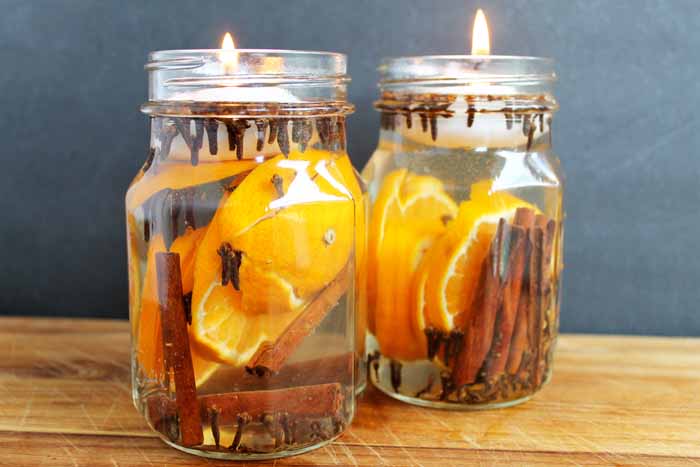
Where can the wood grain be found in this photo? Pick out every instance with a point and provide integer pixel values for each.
(65, 400)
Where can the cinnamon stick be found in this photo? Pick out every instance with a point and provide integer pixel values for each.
(480, 327)
(518, 344)
(328, 369)
(176, 347)
(511, 298)
(321, 400)
(524, 218)
(547, 227)
(270, 356)
(535, 314)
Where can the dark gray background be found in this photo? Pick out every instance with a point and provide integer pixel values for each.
(72, 80)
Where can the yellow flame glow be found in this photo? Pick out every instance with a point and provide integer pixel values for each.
(228, 53)
(481, 45)
(227, 43)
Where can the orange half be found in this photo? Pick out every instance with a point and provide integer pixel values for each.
(292, 220)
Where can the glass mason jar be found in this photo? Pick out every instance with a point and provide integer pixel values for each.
(245, 229)
(465, 231)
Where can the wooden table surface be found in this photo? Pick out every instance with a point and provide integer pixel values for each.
(66, 401)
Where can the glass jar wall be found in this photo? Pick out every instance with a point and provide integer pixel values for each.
(245, 240)
(465, 231)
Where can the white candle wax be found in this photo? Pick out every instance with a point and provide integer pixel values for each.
(181, 152)
(488, 129)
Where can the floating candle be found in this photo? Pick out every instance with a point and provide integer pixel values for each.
(475, 83)
(231, 87)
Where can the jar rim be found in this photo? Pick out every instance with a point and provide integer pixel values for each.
(240, 75)
(449, 70)
(296, 63)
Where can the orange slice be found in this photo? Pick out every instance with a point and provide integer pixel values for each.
(291, 219)
(449, 273)
(150, 339)
(134, 271)
(181, 175)
(407, 217)
(149, 350)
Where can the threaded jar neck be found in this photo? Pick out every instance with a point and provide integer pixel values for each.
(245, 82)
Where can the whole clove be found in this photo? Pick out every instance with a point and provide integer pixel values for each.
(530, 135)
(272, 137)
(434, 340)
(197, 141)
(395, 368)
(296, 130)
(471, 112)
(214, 424)
(269, 422)
(235, 130)
(231, 134)
(316, 432)
(306, 132)
(241, 126)
(146, 229)
(508, 114)
(278, 183)
(423, 122)
(212, 127)
(230, 264)
(283, 136)
(386, 121)
(526, 125)
(286, 428)
(149, 159)
(323, 130)
(260, 126)
(167, 135)
(242, 420)
(447, 385)
(373, 363)
(332, 133)
(187, 304)
(433, 127)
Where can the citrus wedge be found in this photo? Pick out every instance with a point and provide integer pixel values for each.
(291, 220)
(150, 338)
(449, 273)
(134, 268)
(408, 215)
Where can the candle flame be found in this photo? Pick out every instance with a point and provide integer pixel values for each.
(227, 43)
(228, 53)
(480, 35)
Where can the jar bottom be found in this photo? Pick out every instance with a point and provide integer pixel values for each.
(416, 374)
(252, 456)
(451, 405)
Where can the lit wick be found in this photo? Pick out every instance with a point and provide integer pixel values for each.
(481, 44)
(228, 55)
